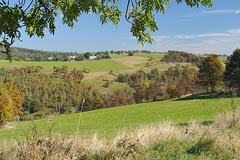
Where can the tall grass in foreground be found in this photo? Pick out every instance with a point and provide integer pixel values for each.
(219, 140)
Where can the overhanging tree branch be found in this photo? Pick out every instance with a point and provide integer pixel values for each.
(38, 15)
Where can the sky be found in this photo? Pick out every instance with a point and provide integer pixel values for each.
(197, 30)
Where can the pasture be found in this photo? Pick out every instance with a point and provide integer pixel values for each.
(106, 123)
(93, 66)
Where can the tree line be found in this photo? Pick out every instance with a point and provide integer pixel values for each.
(24, 54)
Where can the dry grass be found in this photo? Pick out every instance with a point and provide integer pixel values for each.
(9, 125)
(219, 140)
(131, 61)
(150, 134)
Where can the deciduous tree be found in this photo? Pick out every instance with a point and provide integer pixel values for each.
(211, 72)
(35, 16)
(16, 96)
(10, 102)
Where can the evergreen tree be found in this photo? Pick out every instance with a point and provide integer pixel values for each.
(232, 71)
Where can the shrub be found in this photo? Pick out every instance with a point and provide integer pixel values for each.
(32, 105)
(38, 115)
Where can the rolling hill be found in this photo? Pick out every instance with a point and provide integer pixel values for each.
(107, 122)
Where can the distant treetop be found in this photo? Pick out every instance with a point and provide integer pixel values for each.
(179, 56)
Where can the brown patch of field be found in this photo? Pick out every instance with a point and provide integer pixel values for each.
(9, 125)
(131, 61)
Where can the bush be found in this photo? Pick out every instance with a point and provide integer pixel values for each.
(38, 115)
(130, 54)
(122, 78)
(32, 105)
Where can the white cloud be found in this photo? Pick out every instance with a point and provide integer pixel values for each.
(222, 11)
(234, 31)
(229, 33)
(212, 12)
(219, 42)
(205, 35)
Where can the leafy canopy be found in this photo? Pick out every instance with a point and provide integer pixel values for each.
(211, 71)
(37, 15)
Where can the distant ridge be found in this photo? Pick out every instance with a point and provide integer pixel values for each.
(35, 51)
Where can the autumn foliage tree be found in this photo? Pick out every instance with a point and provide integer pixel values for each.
(211, 72)
(10, 102)
(6, 107)
(16, 96)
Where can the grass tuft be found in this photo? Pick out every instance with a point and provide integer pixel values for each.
(204, 144)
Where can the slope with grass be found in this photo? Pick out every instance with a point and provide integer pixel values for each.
(107, 122)
(93, 66)
(218, 140)
(99, 69)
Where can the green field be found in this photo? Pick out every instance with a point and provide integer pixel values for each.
(107, 122)
(93, 66)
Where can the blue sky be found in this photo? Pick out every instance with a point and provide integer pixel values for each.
(198, 30)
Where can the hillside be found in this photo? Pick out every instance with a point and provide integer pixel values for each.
(99, 69)
(107, 122)
(194, 141)
(180, 128)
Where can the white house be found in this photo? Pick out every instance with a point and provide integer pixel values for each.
(72, 57)
(92, 57)
(50, 58)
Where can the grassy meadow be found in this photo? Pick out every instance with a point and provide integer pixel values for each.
(93, 66)
(107, 122)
